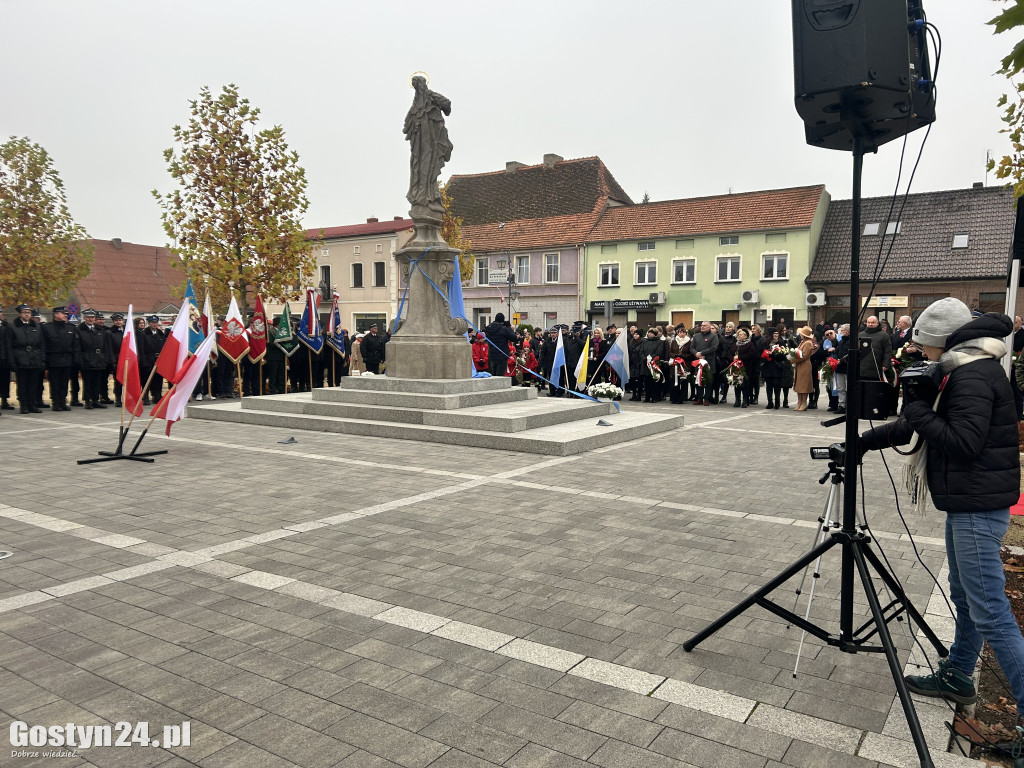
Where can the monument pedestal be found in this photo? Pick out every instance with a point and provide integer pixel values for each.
(429, 357)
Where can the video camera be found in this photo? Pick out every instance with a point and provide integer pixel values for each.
(835, 452)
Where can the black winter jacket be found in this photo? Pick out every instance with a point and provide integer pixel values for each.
(973, 460)
(93, 352)
(61, 344)
(372, 348)
(27, 345)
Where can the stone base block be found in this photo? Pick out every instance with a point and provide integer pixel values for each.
(429, 357)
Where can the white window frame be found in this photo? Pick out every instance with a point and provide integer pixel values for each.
(547, 267)
(355, 250)
(964, 242)
(872, 228)
(519, 266)
(646, 245)
(729, 240)
(729, 257)
(893, 227)
(325, 274)
(683, 261)
(380, 248)
(384, 275)
(774, 255)
(647, 263)
(600, 274)
(483, 262)
(362, 275)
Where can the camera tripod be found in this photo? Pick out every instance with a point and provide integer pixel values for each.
(854, 543)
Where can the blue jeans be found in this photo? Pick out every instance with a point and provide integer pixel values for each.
(977, 588)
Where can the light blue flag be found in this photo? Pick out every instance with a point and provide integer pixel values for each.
(559, 363)
(456, 304)
(617, 357)
(195, 320)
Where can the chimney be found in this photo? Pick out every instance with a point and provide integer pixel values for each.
(399, 218)
(551, 159)
(372, 220)
(512, 166)
(116, 242)
(979, 184)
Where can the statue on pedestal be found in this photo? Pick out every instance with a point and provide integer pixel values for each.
(431, 149)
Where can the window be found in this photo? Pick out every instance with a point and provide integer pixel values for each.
(775, 237)
(379, 248)
(608, 275)
(550, 318)
(646, 272)
(612, 248)
(363, 321)
(960, 240)
(379, 268)
(482, 317)
(729, 240)
(992, 302)
(647, 246)
(776, 266)
(918, 303)
(684, 270)
(325, 275)
(550, 267)
(357, 275)
(481, 271)
(893, 227)
(685, 243)
(523, 269)
(355, 249)
(728, 269)
(872, 229)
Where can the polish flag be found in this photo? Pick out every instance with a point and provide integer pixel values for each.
(207, 316)
(172, 405)
(127, 372)
(175, 348)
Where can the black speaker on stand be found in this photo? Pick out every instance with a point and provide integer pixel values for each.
(862, 79)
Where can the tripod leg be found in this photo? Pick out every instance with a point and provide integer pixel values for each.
(897, 590)
(823, 530)
(753, 599)
(823, 525)
(890, 654)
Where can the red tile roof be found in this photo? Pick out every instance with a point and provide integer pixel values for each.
(547, 232)
(534, 191)
(792, 208)
(140, 275)
(358, 230)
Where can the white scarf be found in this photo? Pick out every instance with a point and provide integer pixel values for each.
(915, 469)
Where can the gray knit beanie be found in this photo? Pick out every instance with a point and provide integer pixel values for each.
(939, 320)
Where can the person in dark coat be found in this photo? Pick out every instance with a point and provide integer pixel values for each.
(153, 339)
(547, 360)
(373, 349)
(705, 347)
(115, 334)
(875, 351)
(758, 340)
(6, 364)
(772, 370)
(652, 351)
(499, 334)
(61, 356)
(726, 353)
(747, 352)
(275, 362)
(28, 353)
(970, 466)
(93, 357)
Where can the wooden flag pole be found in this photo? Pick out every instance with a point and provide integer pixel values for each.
(145, 387)
(261, 377)
(285, 372)
(238, 370)
(334, 370)
(309, 359)
(595, 374)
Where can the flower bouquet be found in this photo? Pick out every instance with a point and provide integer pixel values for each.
(827, 372)
(736, 373)
(604, 391)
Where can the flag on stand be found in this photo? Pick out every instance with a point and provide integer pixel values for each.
(581, 366)
(128, 358)
(196, 334)
(175, 349)
(232, 338)
(171, 407)
(283, 336)
(334, 336)
(309, 332)
(258, 332)
(617, 358)
(456, 301)
(208, 326)
(559, 362)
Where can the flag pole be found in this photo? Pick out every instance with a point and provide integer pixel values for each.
(595, 374)
(309, 359)
(238, 370)
(209, 381)
(285, 374)
(261, 377)
(334, 370)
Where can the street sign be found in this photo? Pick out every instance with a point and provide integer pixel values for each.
(496, 278)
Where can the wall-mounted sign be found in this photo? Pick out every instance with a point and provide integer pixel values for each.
(598, 306)
(888, 301)
(497, 278)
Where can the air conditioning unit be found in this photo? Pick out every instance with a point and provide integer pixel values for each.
(657, 297)
(750, 297)
(816, 299)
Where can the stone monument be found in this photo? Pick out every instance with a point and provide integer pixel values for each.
(429, 344)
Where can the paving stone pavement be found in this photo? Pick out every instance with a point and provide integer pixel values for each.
(361, 603)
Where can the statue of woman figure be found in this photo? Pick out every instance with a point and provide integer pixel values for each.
(426, 132)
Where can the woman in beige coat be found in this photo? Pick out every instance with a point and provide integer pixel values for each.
(803, 373)
(356, 366)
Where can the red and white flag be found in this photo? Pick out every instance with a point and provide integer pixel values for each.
(258, 332)
(232, 338)
(207, 315)
(175, 349)
(172, 405)
(128, 368)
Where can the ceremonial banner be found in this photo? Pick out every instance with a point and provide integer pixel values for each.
(127, 372)
(334, 337)
(581, 366)
(258, 333)
(196, 334)
(559, 361)
(309, 332)
(283, 336)
(617, 357)
(175, 349)
(232, 338)
(207, 316)
(172, 405)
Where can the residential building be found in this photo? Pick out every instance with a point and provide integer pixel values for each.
(533, 220)
(128, 273)
(738, 257)
(930, 246)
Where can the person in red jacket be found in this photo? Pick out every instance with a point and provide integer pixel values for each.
(480, 353)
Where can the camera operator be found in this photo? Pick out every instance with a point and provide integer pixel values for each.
(970, 463)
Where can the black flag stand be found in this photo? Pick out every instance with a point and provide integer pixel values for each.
(122, 433)
(856, 553)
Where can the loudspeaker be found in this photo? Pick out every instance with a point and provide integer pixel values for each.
(861, 68)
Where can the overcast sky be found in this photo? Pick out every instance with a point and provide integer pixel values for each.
(680, 99)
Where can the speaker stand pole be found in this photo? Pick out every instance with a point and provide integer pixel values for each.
(856, 554)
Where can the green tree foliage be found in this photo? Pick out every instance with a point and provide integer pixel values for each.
(1011, 166)
(451, 231)
(43, 252)
(236, 212)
